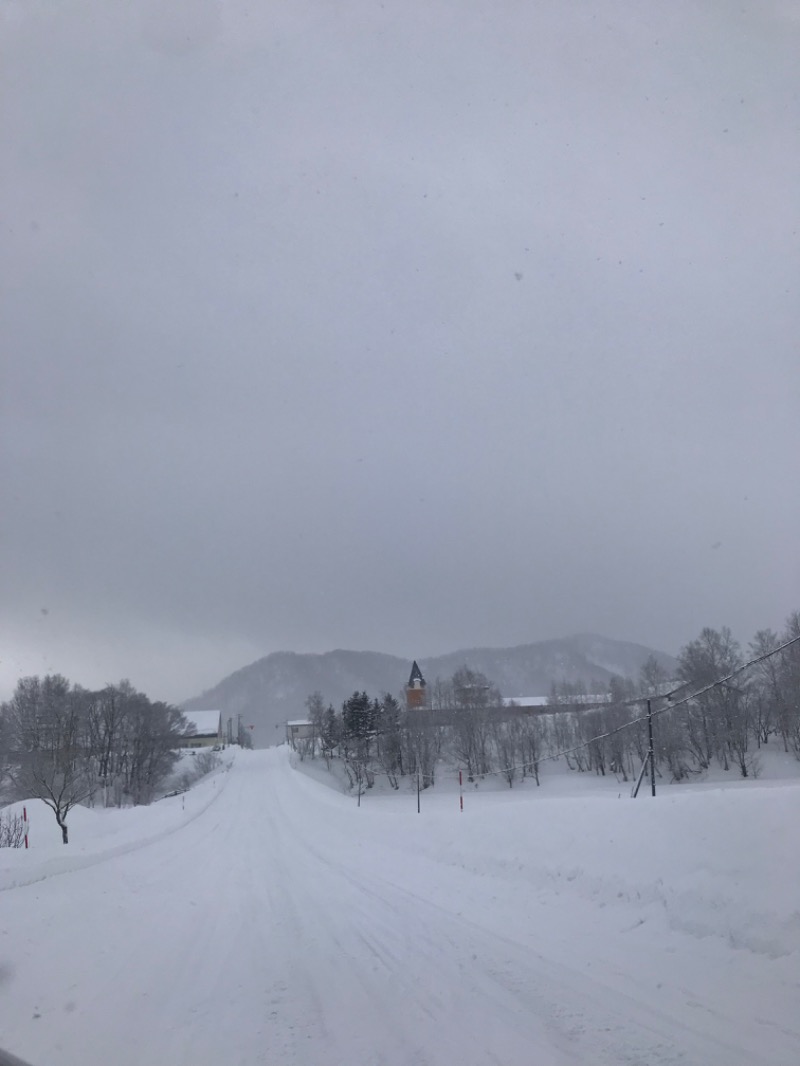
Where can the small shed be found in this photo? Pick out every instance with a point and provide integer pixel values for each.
(205, 729)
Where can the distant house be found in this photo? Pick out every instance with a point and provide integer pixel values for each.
(299, 729)
(205, 729)
(528, 705)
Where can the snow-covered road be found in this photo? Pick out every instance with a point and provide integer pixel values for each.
(283, 925)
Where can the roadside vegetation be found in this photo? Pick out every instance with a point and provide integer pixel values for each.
(67, 745)
(465, 723)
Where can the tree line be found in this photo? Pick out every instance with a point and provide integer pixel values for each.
(67, 745)
(726, 726)
(466, 723)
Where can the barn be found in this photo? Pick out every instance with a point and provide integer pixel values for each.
(205, 729)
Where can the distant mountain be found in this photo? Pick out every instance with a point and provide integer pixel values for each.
(531, 669)
(275, 689)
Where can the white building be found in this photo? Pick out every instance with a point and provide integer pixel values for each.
(205, 729)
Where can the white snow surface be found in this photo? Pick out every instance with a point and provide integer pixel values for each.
(264, 918)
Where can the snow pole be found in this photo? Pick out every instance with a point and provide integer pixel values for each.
(460, 791)
(25, 822)
(418, 811)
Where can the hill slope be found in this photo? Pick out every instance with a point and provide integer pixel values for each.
(273, 689)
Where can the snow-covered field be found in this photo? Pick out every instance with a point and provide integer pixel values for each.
(264, 918)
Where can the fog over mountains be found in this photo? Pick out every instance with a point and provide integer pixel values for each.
(274, 689)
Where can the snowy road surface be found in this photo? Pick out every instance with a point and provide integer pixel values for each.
(280, 924)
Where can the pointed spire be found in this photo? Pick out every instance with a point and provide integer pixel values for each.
(416, 680)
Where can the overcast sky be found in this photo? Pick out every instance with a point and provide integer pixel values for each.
(405, 325)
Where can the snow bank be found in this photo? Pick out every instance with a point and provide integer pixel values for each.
(720, 863)
(709, 861)
(98, 833)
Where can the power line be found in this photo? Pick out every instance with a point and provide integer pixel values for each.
(671, 706)
(720, 681)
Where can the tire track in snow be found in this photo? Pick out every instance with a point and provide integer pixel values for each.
(585, 1017)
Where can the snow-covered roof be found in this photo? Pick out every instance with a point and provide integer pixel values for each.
(525, 701)
(205, 723)
(300, 721)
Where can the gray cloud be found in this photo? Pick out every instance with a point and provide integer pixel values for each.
(400, 326)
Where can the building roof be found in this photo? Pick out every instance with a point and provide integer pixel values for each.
(416, 675)
(205, 723)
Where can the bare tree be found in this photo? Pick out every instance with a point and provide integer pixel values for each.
(766, 689)
(389, 738)
(620, 743)
(531, 741)
(710, 718)
(789, 674)
(421, 742)
(506, 740)
(156, 730)
(474, 701)
(5, 745)
(105, 722)
(315, 708)
(739, 728)
(12, 830)
(47, 719)
(591, 726)
(670, 746)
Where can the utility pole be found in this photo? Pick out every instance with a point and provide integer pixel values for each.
(650, 752)
(649, 759)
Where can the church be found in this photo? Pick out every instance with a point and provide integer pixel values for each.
(415, 689)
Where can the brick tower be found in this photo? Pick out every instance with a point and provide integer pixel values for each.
(415, 689)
